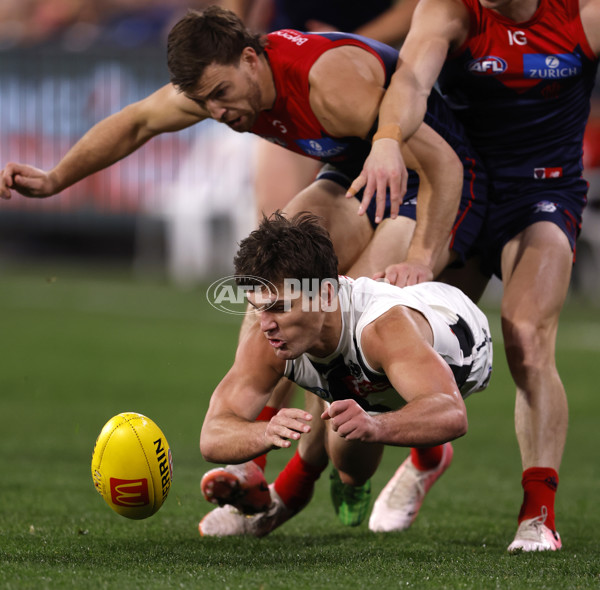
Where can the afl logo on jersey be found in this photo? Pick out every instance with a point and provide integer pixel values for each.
(490, 65)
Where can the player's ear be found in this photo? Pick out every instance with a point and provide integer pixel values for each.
(249, 57)
(329, 295)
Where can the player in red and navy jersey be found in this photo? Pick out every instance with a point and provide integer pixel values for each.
(317, 95)
(519, 75)
(294, 123)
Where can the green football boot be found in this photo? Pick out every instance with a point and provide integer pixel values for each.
(351, 503)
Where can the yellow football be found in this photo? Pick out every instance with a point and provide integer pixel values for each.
(132, 467)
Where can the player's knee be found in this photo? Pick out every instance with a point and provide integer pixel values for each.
(529, 344)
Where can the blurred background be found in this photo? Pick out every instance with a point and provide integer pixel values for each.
(177, 207)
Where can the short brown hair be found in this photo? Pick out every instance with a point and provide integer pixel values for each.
(215, 35)
(281, 248)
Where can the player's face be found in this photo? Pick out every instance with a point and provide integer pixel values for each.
(230, 95)
(294, 326)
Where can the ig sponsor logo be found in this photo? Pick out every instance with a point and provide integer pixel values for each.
(227, 296)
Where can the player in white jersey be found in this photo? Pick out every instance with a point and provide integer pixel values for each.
(459, 330)
(391, 365)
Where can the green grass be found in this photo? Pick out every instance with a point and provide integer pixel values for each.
(77, 348)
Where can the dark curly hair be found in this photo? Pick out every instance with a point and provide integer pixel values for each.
(199, 39)
(281, 248)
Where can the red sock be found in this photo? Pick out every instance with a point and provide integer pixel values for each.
(539, 486)
(427, 458)
(295, 484)
(265, 415)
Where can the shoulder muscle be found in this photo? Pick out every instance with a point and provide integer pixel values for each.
(346, 87)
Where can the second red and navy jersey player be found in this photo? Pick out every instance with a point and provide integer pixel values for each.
(523, 89)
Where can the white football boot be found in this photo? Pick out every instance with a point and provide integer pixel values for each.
(398, 503)
(242, 486)
(228, 521)
(534, 535)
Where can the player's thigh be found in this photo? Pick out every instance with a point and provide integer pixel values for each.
(350, 232)
(468, 278)
(279, 176)
(356, 461)
(536, 271)
(388, 245)
(312, 444)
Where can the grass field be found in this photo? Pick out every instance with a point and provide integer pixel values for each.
(77, 348)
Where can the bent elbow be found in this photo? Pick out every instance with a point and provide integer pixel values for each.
(208, 450)
(461, 424)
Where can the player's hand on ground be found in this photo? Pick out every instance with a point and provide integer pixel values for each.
(405, 273)
(287, 425)
(384, 168)
(26, 180)
(350, 421)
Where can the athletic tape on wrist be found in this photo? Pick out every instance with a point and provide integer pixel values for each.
(391, 131)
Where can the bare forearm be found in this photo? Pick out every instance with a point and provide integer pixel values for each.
(435, 219)
(104, 144)
(404, 103)
(423, 422)
(440, 185)
(233, 440)
(420, 62)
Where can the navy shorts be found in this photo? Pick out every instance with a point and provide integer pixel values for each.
(471, 213)
(514, 206)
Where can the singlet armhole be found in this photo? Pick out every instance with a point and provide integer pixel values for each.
(573, 7)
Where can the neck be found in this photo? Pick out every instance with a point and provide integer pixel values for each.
(267, 82)
(331, 332)
(519, 11)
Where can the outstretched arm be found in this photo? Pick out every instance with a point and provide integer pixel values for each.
(230, 433)
(109, 141)
(399, 343)
(437, 26)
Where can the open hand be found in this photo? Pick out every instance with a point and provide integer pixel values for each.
(288, 424)
(383, 169)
